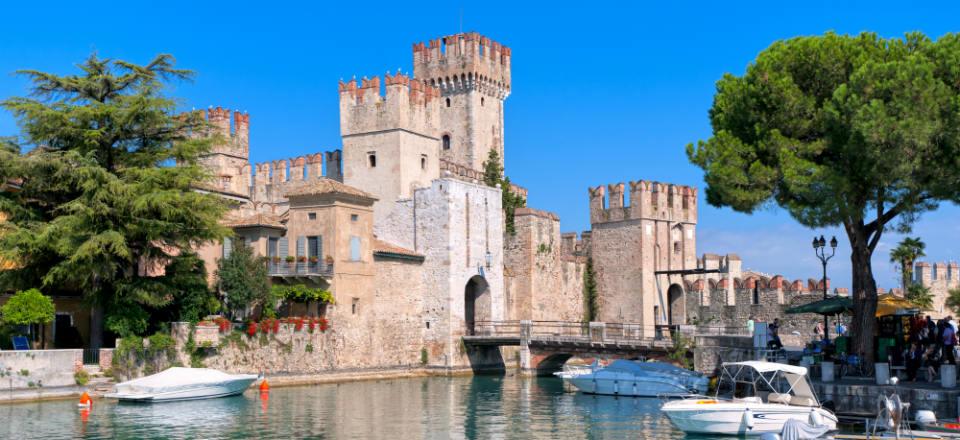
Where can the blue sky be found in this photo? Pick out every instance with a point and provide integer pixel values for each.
(609, 93)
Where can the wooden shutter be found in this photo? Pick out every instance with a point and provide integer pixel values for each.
(283, 247)
(320, 247)
(301, 246)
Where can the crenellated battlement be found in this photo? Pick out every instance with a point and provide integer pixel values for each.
(271, 179)
(408, 104)
(235, 142)
(648, 200)
(465, 61)
(461, 172)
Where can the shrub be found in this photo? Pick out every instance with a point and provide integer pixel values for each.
(81, 377)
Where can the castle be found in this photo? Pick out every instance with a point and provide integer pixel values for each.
(399, 225)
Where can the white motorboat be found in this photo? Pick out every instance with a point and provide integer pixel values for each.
(752, 398)
(179, 383)
(637, 379)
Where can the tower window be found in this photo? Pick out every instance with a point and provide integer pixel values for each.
(481, 101)
(423, 161)
(446, 142)
(312, 215)
(448, 102)
(372, 159)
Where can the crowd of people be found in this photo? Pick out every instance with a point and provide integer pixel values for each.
(931, 344)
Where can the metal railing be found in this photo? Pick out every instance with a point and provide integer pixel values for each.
(720, 330)
(284, 268)
(561, 331)
(91, 356)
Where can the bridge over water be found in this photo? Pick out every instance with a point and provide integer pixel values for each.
(544, 346)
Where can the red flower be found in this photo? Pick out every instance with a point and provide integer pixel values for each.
(251, 329)
(265, 326)
(298, 325)
(276, 326)
(313, 324)
(324, 324)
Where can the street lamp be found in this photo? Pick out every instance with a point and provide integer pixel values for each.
(820, 248)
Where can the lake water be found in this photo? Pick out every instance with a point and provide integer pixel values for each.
(482, 407)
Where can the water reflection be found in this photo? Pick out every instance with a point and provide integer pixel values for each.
(485, 407)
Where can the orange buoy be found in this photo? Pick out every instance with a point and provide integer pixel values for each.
(264, 386)
(85, 400)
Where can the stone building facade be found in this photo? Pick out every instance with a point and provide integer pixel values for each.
(940, 278)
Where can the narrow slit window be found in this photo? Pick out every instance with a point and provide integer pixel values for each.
(423, 161)
(446, 142)
(372, 160)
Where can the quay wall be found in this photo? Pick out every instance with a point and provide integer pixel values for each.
(39, 368)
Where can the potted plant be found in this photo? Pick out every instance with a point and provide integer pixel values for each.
(329, 260)
(302, 259)
(276, 259)
(314, 259)
(290, 258)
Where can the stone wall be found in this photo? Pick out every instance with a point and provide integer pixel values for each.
(39, 368)
(543, 281)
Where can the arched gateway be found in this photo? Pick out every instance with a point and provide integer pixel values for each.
(477, 305)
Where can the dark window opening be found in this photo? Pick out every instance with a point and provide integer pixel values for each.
(481, 101)
(756, 295)
(423, 162)
(372, 158)
(312, 215)
(354, 217)
(448, 102)
(676, 247)
(446, 142)
(428, 324)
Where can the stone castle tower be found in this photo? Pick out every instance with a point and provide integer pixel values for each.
(473, 75)
(229, 158)
(631, 242)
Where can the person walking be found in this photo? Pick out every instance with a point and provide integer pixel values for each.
(818, 331)
(931, 331)
(750, 325)
(914, 359)
(949, 342)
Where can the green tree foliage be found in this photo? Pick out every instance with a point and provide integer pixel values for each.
(492, 176)
(28, 307)
(857, 131)
(100, 192)
(904, 255)
(591, 306)
(953, 300)
(920, 296)
(243, 281)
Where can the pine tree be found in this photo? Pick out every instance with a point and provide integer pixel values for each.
(100, 191)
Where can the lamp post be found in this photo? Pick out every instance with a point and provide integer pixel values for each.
(820, 248)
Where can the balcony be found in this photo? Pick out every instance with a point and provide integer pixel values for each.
(299, 269)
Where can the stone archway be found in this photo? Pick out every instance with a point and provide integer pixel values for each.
(477, 305)
(675, 306)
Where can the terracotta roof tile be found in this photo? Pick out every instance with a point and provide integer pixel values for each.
(382, 247)
(255, 220)
(324, 185)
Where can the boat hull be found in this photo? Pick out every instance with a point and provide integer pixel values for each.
(631, 388)
(731, 418)
(206, 391)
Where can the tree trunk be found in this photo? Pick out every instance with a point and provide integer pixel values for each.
(863, 325)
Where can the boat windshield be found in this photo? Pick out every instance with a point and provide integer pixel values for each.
(772, 386)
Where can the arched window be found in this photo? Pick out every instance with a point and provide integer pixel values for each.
(446, 142)
(756, 294)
